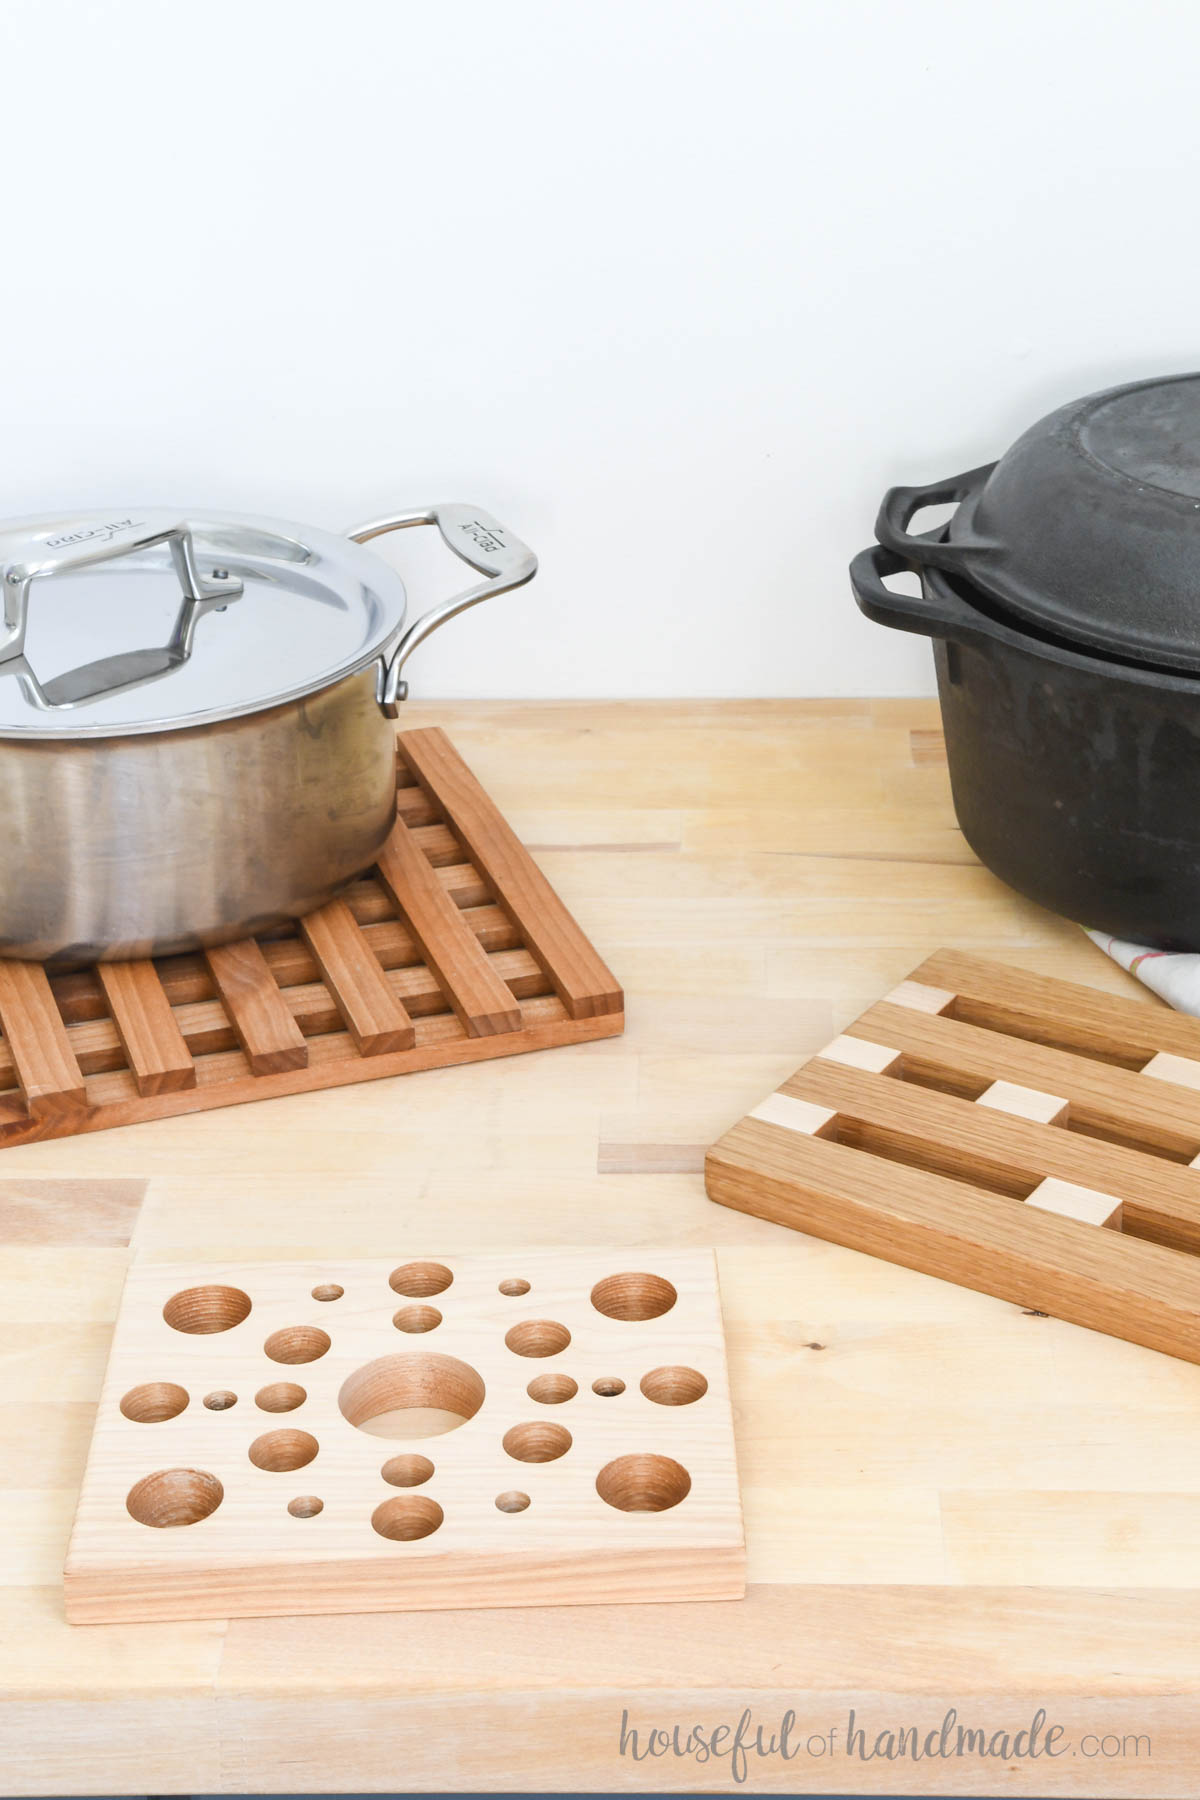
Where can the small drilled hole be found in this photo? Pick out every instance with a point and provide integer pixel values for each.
(537, 1442)
(513, 1501)
(173, 1497)
(608, 1386)
(200, 1310)
(674, 1386)
(220, 1400)
(643, 1483)
(297, 1344)
(154, 1402)
(538, 1337)
(417, 1318)
(328, 1290)
(305, 1506)
(280, 1396)
(514, 1287)
(406, 1471)
(633, 1297)
(282, 1451)
(407, 1517)
(552, 1390)
(420, 1280)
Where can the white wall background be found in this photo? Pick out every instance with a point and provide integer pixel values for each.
(675, 286)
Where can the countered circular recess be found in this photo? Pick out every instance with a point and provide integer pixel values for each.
(411, 1394)
(306, 1506)
(608, 1386)
(537, 1337)
(633, 1296)
(537, 1441)
(297, 1344)
(173, 1497)
(415, 1319)
(407, 1517)
(280, 1397)
(512, 1501)
(406, 1471)
(154, 1402)
(282, 1451)
(514, 1286)
(200, 1310)
(420, 1280)
(220, 1400)
(643, 1483)
(328, 1290)
(552, 1390)
(674, 1385)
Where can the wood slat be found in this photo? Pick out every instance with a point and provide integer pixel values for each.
(481, 1000)
(160, 1061)
(49, 1078)
(374, 1015)
(257, 1010)
(585, 984)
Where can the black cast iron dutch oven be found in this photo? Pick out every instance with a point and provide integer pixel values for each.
(1063, 600)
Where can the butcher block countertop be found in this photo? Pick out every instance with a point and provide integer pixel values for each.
(949, 1502)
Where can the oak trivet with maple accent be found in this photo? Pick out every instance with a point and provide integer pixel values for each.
(454, 948)
(1031, 1138)
(545, 1427)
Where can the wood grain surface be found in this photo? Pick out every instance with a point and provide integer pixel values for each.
(950, 1500)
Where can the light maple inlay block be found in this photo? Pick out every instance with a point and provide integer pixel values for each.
(1010, 1109)
(794, 1115)
(1024, 1103)
(541, 1428)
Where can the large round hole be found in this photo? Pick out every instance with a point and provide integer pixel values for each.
(643, 1483)
(204, 1309)
(415, 1319)
(306, 1506)
(154, 1401)
(172, 1497)
(406, 1471)
(633, 1297)
(420, 1280)
(328, 1290)
(407, 1517)
(538, 1337)
(514, 1286)
(552, 1390)
(411, 1394)
(220, 1400)
(674, 1386)
(538, 1441)
(512, 1501)
(283, 1450)
(280, 1396)
(297, 1344)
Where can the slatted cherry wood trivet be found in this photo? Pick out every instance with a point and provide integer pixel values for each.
(1028, 1137)
(455, 948)
(544, 1428)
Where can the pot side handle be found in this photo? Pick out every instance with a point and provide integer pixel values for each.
(473, 535)
(929, 615)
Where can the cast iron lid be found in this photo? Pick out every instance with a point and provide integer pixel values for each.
(1088, 528)
(152, 621)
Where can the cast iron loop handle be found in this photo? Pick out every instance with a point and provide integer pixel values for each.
(480, 541)
(68, 551)
(931, 548)
(929, 614)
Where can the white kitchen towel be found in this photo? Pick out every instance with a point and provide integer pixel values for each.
(1175, 977)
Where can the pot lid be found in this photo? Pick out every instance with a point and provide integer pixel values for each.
(1088, 528)
(148, 620)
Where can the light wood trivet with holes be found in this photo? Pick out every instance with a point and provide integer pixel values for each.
(454, 948)
(1021, 1135)
(542, 1428)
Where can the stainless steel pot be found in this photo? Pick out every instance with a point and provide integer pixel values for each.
(196, 736)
